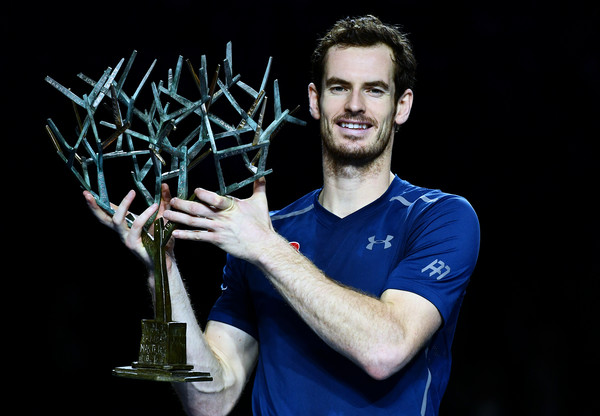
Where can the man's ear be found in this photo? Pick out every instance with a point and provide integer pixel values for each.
(403, 107)
(313, 101)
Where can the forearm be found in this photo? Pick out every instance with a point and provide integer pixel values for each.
(199, 352)
(201, 398)
(361, 327)
(207, 397)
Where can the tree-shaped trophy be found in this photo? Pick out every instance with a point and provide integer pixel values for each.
(160, 146)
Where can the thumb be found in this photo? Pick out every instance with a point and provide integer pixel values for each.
(165, 198)
(260, 187)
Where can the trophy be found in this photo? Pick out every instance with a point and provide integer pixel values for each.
(165, 142)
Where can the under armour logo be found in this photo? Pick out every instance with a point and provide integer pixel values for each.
(386, 242)
(441, 269)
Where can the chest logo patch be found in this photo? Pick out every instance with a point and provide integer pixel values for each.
(386, 243)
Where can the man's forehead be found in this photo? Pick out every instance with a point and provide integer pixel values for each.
(358, 61)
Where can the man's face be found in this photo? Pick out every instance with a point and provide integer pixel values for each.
(356, 105)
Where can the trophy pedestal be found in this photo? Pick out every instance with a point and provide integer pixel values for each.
(161, 374)
(162, 355)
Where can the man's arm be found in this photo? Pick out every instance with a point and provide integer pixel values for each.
(380, 335)
(227, 353)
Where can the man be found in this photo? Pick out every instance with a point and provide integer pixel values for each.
(345, 301)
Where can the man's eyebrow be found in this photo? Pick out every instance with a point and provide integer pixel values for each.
(379, 84)
(335, 81)
(339, 81)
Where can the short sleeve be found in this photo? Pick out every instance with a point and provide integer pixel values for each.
(440, 254)
(234, 306)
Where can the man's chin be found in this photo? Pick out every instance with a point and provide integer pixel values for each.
(350, 157)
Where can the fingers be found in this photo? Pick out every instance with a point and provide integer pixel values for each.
(182, 206)
(231, 204)
(260, 192)
(202, 223)
(195, 235)
(201, 215)
(207, 205)
(220, 219)
(260, 186)
(213, 199)
(132, 237)
(165, 199)
(123, 208)
(117, 220)
(98, 212)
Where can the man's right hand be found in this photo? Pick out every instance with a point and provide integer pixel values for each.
(131, 236)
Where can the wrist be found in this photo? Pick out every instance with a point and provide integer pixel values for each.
(273, 249)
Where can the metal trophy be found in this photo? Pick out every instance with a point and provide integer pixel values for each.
(160, 146)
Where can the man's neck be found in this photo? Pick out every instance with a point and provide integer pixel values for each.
(349, 190)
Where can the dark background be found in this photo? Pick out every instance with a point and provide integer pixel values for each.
(505, 114)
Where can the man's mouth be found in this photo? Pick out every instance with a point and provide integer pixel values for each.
(352, 123)
(354, 126)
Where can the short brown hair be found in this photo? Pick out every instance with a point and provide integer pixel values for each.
(364, 32)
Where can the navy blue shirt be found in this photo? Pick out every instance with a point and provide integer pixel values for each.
(413, 239)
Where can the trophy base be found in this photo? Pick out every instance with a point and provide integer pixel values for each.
(162, 355)
(166, 373)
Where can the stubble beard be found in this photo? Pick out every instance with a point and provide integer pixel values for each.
(342, 159)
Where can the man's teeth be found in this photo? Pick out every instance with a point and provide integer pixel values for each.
(354, 126)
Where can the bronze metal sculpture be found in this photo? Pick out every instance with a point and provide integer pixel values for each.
(156, 141)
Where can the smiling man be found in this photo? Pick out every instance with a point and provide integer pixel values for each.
(346, 301)
(358, 95)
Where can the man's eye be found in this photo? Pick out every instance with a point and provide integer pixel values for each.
(337, 89)
(376, 92)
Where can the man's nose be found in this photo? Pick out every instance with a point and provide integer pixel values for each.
(355, 102)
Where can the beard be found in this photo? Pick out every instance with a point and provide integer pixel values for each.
(344, 155)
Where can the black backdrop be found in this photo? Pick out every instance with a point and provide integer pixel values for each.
(505, 114)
